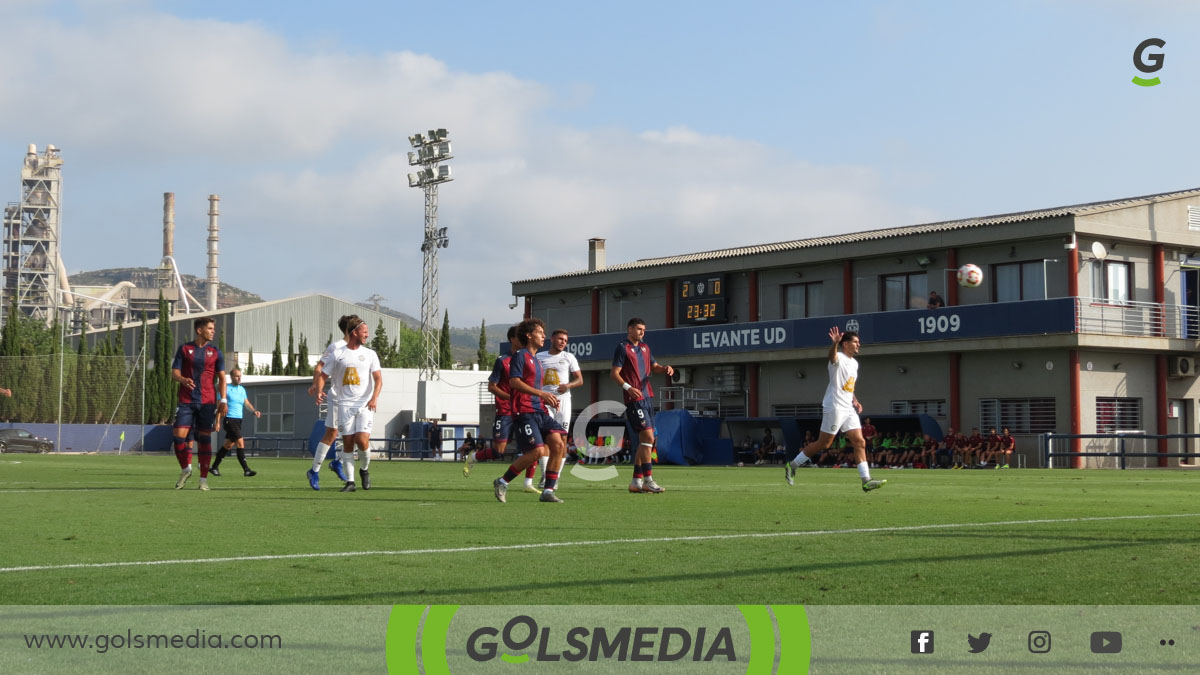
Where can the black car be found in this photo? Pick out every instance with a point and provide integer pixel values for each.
(19, 440)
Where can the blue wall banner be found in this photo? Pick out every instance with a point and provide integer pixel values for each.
(1002, 319)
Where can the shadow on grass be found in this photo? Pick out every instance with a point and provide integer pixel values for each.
(464, 593)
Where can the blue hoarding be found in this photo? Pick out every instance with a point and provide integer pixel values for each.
(1005, 319)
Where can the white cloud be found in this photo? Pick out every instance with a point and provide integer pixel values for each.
(308, 151)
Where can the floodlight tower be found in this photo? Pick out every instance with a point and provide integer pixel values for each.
(430, 149)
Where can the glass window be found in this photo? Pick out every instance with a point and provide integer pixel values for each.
(1118, 414)
(1020, 415)
(905, 291)
(1110, 281)
(1020, 281)
(278, 415)
(1008, 282)
(803, 300)
(1033, 280)
(1118, 282)
(933, 407)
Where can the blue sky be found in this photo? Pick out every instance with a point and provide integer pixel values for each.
(666, 127)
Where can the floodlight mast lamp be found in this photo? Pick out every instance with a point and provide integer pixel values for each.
(429, 150)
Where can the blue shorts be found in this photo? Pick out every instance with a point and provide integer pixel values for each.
(502, 430)
(533, 428)
(199, 416)
(640, 415)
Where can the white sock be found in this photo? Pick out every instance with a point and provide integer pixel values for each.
(348, 465)
(366, 459)
(800, 459)
(864, 471)
(319, 457)
(542, 462)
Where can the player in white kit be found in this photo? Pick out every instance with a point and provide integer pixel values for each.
(560, 374)
(327, 441)
(356, 369)
(839, 410)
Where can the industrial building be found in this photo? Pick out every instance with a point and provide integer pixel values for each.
(291, 415)
(35, 276)
(1086, 321)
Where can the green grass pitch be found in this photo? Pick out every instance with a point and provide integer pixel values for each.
(928, 537)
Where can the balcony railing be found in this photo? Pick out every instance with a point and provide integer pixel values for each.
(1137, 319)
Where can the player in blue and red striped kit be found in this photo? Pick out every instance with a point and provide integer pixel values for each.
(199, 368)
(537, 431)
(502, 430)
(632, 367)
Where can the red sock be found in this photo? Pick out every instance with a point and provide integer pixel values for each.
(183, 453)
(204, 452)
(529, 473)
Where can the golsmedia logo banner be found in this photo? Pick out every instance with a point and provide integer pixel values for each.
(523, 640)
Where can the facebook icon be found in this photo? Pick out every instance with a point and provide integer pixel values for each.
(921, 642)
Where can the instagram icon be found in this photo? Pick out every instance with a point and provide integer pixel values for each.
(1039, 641)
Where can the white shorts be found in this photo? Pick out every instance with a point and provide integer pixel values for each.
(562, 414)
(331, 416)
(356, 419)
(839, 419)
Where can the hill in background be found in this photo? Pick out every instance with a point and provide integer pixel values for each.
(227, 296)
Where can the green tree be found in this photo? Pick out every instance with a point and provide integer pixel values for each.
(143, 355)
(445, 358)
(409, 348)
(302, 366)
(81, 410)
(291, 360)
(481, 357)
(164, 354)
(277, 355)
(383, 347)
(249, 362)
(10, 347)
(148, 415)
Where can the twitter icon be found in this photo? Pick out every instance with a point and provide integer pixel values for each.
(978, 644)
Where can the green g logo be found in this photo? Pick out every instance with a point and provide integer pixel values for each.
(1148, 63)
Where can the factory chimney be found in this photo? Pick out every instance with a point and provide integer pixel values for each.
(213, 281)
(168, 224)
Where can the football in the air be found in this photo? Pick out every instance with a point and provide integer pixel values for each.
(970, 276)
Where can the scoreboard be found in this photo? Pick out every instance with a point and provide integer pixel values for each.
(701, 300)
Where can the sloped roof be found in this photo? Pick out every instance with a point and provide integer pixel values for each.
(886, 233)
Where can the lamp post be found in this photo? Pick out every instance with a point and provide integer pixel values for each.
(429, 150)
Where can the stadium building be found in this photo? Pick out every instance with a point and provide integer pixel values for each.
(1086, 321)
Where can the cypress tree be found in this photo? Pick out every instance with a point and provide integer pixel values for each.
(164, 342)
(302, 367)
(277, 355)
(250, 362)
(143, 356)
(445, 358)
(291, 360)
(80, 411)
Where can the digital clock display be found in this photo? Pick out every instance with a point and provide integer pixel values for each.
(701, 300)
